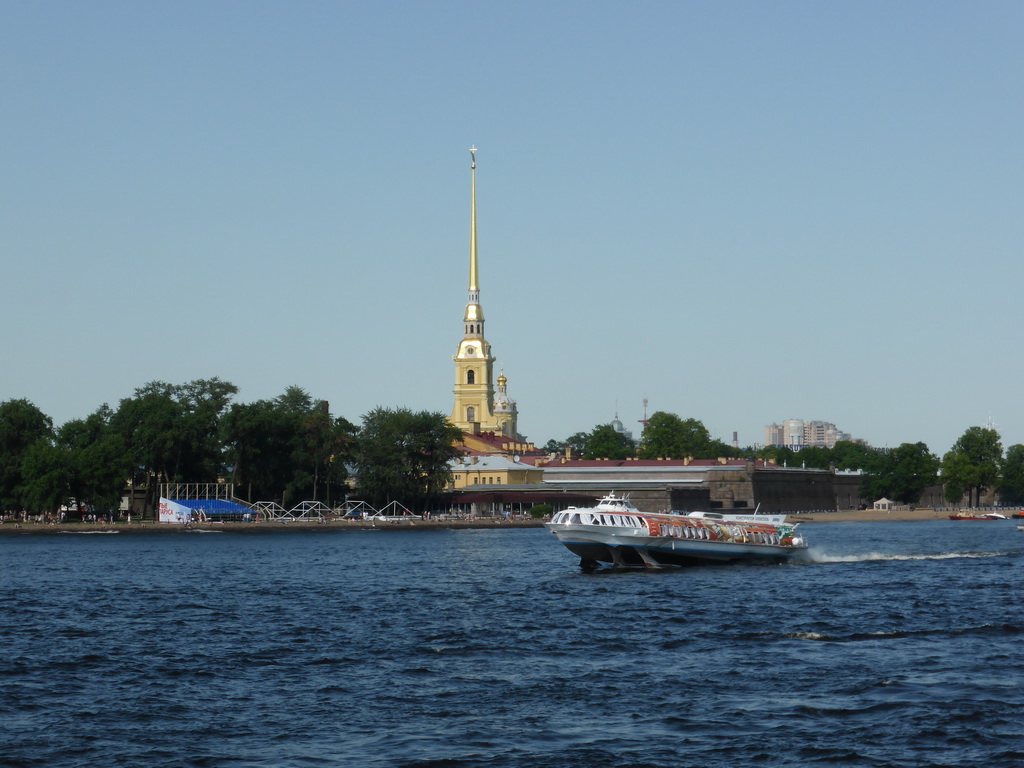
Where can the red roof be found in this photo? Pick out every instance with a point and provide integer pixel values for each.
(582, 463)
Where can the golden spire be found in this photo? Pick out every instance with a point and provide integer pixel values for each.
(474, 312)
(473, 285)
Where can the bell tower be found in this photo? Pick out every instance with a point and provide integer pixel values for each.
(474, 366)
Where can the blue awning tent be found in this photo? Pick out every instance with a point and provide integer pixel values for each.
(217, 509)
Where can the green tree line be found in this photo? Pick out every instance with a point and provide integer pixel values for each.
(975, 464)
(287, 449)
(290, 448)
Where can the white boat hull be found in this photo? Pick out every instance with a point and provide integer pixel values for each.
(591, 543)
(617, 532)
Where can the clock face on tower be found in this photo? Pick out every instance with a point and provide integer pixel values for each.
(470, 350)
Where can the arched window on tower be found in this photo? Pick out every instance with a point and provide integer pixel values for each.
(471, 377)
(471, 414)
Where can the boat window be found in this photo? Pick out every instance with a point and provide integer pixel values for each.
(576, 518)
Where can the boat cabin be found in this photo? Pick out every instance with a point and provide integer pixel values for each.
(573, 516)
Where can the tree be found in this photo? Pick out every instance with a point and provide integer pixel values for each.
(554, 446)
(814, 456)
(718, 448)
(669, 437)
(848, 455)
(577, 443)
(405, 457)
(957, 476)
(204, 402)
(97, 461)
(1011, 482)
(324, 447)
(258, 441)
(44, 485)
(902, 474)
(149, 424)
(972, 465)
(288, 448)
(22, 424)
(171, 433)
(780, 454)
(539, 511)
(605, 442)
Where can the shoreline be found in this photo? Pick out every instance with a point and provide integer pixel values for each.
(276, 526)
(870, 516)
(150, 527)
(881, 516)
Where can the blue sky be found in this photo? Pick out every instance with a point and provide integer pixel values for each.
(743, 211)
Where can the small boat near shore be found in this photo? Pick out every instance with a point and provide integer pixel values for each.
(616, 532)
(977, 516)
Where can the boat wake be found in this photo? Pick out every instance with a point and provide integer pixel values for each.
(90, 533)
(872, 557)
(988, 629)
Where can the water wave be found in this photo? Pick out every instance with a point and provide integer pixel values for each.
(997, 629)
(816, 556)
(491, 649)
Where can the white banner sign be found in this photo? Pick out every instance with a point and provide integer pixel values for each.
(172, 512)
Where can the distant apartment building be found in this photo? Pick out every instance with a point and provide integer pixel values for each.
(796, 434)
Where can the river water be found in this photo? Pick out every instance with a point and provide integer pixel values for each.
(896, 644)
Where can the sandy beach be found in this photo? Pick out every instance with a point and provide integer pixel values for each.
(870, 515)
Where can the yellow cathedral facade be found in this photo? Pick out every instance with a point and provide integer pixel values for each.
(479, 407)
